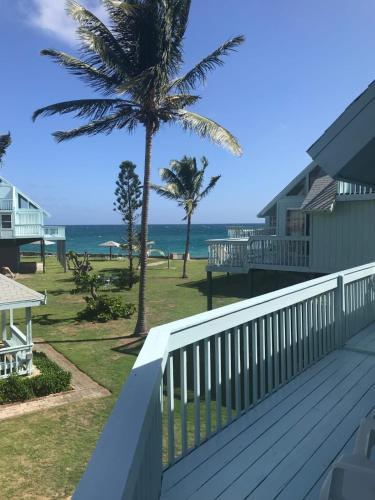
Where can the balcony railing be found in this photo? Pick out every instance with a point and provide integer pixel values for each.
(51, 232)
(6, 205)
(259, 251)
(213, 367)
(245, 232)
(33, 231)
(347, 188)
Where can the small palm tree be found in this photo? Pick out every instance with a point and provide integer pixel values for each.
(135, 63)
(5, 141)
(184, 182)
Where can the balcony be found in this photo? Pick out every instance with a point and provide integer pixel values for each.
(54, 232)
(251, 400)
(345, 189)
(259, 252)
(29, 231)
(6, 205)
(246, 232)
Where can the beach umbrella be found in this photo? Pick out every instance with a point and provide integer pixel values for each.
(110, 245)
(46, 242)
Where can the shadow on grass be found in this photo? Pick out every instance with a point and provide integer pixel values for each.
(133, 348)
(236, 285)
(45, 319)
(74, 341)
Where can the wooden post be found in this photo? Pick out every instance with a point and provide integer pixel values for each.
(4, 325)
(43, 251)
(29, 337)
(340, 312)
(250, 279)
(209, 290)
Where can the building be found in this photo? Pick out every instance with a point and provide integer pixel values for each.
(258, 399)
(16, 356)
(21, 222)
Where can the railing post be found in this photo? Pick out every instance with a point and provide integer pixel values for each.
(340, 312)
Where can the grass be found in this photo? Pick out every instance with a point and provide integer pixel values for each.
(52, 447)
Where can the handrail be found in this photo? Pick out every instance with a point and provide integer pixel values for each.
(253, 347)
(17, 332)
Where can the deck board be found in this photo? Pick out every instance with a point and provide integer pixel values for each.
(284, 446)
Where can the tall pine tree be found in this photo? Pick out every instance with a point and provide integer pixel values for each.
(128, 202)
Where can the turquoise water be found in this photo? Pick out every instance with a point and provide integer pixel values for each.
(167, 237)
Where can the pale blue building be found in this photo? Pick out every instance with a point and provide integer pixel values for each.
(22, 221)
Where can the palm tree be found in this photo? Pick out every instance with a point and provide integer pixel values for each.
(135, 63)
(184, 183)
(5, 141)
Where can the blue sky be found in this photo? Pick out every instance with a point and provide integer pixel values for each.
(302, 63)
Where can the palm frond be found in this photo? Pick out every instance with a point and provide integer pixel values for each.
(177, 101)
(97, 79)
(207, 128)
(98, 39)
(209, 187)
(83, 108)
(105, 125)
(170, 177)
(5, 142)
(169, 191)
(198, 74)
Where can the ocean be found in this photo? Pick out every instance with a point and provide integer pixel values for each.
(167, 237)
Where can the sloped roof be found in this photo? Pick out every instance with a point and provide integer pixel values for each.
(321, 196)
(287, 188)
(13, 294)
(3, 180)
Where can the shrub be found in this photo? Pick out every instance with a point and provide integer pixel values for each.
(15, 388)
(52, 379)
(104, 308)
(127, 278)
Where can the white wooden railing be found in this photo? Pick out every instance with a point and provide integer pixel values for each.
(6, 205)
(245, 232)
(276, 252)
(28, 230)
(283, 252)
(204, 371)
(54, 232)
(228, 253)
(348, 188)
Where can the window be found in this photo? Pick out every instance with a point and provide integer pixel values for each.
(22, 202)
(295, 223)
(6, 221)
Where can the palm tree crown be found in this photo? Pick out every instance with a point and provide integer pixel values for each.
(184, 183)
(5, 142)
(134, 64)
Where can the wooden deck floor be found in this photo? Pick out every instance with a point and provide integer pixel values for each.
(283, 447)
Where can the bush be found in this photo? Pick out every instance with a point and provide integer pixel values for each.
(104, 308)
(127, 278)
(51, 380)
(15, 388)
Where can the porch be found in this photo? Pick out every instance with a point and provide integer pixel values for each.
(16, 346)
(251, 400)
(259, 252)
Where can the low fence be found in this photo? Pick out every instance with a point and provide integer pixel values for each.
(232, 357)
(245, 232)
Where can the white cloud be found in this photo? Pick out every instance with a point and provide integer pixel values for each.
(50, 16)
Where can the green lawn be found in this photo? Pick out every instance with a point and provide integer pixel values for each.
(48, 451)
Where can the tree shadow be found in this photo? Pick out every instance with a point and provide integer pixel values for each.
(60, 291)
(46, 320)
(133, 348)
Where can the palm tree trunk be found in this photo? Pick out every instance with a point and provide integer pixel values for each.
(184, 275)
(141, 326)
